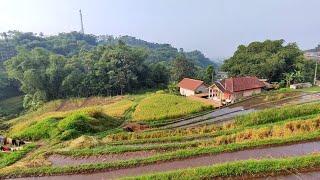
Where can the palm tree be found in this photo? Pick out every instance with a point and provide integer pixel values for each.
(288, 77)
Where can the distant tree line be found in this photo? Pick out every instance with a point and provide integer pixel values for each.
(80, 65)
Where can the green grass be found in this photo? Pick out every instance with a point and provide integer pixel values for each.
(69, 127)
(166, 106)
(7, 159)
(11, 107)
(312, 89)
(277, 114)
(125, 148)
(180, 154)
(238, 168)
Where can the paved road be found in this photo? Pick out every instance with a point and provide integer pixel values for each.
(269, 152)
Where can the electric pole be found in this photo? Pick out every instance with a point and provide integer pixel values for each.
(315, 73)
(82, 30)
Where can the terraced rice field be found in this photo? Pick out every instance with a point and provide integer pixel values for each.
(253, 144)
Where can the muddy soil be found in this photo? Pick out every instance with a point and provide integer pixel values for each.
(268, 152)
(60, 160)
(295, 176)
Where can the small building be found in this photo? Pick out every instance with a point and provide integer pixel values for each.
(300, 85)
(190, 87)
(232, 89)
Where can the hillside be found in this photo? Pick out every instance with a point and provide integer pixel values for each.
(82, 137)
(69, 44)
(158, 52)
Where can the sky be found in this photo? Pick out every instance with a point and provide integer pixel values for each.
(215, 27)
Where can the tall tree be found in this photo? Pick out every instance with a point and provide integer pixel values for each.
(268, 59)
(181, 68)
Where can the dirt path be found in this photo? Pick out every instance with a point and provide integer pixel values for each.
(59, 160)
(269, 152)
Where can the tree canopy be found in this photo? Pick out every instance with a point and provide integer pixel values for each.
(268, 59)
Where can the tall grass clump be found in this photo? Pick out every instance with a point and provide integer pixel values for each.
(166, 106)
(277, 114)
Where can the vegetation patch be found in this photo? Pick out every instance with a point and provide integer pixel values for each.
(277, 114)
(239, 168)
(166, 106)
(9, 158)
(11, 107)
(69, 127)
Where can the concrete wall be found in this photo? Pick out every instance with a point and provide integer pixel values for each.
(251, 92)
(186, 92)
(202, 89)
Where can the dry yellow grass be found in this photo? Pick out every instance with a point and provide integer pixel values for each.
(288, 129)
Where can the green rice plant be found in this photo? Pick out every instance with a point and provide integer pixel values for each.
(277, 114)
(163, 133)
(7, 159)
(288, 129)
(71, 126)
(233, 169)
(166, 106)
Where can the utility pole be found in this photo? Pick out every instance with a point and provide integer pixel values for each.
(316, 69)
(82, 30)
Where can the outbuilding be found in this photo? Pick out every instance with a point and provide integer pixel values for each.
(190, 87)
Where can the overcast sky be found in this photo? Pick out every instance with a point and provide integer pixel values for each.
(216, 27)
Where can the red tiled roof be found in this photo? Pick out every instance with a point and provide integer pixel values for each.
(237, 84)
(242, 83)
(191, 84)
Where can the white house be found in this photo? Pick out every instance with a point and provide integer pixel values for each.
(190, 87)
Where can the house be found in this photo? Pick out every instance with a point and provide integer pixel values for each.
(190, 87)
(232, 89)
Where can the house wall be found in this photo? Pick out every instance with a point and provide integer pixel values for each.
(186, 92)
(251, 92)
(202, 89)
(245, 93)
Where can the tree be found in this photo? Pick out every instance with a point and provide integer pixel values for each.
(181, 68)
(268, 59)
(288, 77)
(210, 74)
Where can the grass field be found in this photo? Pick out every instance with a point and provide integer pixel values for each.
(165, 106)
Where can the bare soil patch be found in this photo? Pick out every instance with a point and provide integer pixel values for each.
(60, 160)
